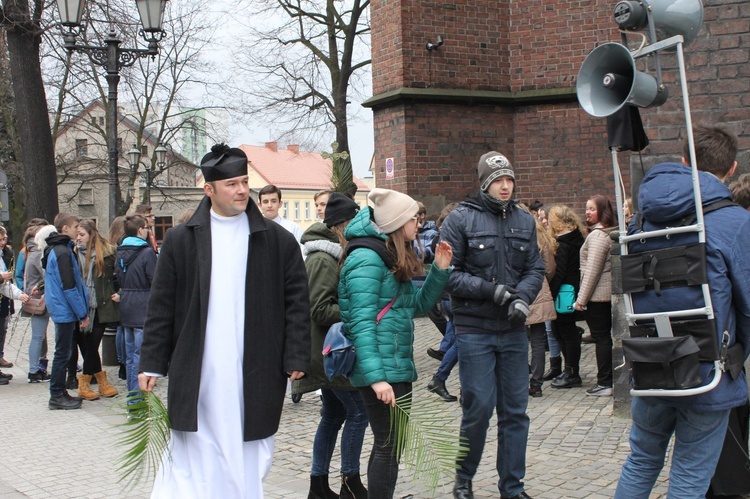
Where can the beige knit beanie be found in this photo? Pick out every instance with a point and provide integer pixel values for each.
(392, 209)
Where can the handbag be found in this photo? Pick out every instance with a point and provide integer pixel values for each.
(35, 306)
(565, 299)
(670, 363)
(338, 350)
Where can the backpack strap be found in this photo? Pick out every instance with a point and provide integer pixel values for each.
(385, 310)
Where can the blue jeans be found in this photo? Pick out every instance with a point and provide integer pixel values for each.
(494, 374)
(699, 437)
(64, 332)
(554, 346)
(339, 408)
(120, 344)
(448, 345)
(133, 340)
(38, 334)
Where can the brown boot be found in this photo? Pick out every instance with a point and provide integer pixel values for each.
(105, 389)
(84, 390)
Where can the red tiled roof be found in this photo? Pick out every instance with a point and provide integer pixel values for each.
(292, 169)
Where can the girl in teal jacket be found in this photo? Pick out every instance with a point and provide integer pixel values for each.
(376, 280)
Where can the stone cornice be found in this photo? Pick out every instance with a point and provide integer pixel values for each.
(472, 97)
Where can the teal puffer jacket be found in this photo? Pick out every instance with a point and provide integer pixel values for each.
(385, 349)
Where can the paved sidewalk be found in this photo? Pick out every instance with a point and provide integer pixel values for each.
(575, 446)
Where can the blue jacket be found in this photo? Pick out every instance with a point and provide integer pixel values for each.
(385, 349)
(666, 194)
(64, 290)
(490, 249)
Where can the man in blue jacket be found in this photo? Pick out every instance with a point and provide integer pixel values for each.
(698, 422)
(67, 303)
(497, 273)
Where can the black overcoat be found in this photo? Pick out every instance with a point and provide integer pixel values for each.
(277, 319)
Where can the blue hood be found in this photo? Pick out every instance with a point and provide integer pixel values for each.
(666, 193)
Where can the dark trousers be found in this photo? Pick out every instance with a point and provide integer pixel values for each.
(382, 469)
(567, 335)
(92, 362)
(537, 335)
(599, 319)
(64, 332)
(78, 344)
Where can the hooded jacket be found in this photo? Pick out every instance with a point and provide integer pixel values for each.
(385, 350)
(64, 290)
(322, 264)
(666, 195)
(490, 249)
(134, 267)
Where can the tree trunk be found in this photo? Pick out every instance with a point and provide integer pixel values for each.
(32, 118)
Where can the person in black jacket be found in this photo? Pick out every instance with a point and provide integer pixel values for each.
(134, 267)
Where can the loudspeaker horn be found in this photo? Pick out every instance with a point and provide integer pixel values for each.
(671, 17)
(608, 80)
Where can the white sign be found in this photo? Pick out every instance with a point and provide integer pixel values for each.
(389, 168)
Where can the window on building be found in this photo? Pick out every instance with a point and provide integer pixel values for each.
(286, 210)
(307, 210)
(86, 196)
(144, 151)
(296, 210)
(101, 120)
(161, 224)
(82, 147)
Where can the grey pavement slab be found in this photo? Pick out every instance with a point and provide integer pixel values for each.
(575, 449)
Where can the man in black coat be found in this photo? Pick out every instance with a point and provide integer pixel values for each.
(228, 320)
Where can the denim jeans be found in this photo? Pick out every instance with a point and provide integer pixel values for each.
(536, 334)
(448, 346)
(382, 469)
(133, 340)
(38, 333)
(64, 332)
(494, 376)
(120, 344)
(554, 346)
(599, 319)
(339, 408)
(699, 437)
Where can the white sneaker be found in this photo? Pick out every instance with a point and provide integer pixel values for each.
(600, 391)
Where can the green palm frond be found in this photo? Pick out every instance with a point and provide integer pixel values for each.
(428, 447)
(145, 436)
(342, 175)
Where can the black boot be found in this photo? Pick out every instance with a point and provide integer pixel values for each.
(64, 403)
(319, 488)
(71, 383)
(437, 386)
(462, 489)
(351, 487)
(122, 373)
(555, 368)
(569, 379)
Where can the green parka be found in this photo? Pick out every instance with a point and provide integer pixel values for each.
(322, 265)
(367, 285)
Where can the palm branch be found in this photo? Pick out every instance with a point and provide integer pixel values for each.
(428, 448)
(145, 436)
(342, 176)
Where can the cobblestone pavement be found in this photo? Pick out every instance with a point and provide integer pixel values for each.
(575, 449)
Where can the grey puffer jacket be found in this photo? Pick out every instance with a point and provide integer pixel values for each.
(490, 248)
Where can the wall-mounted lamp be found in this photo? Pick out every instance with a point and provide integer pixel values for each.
(436, 45)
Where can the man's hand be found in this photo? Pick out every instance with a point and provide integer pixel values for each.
(85, 322)
(147, 383)
(115, 297)
(443, 255)
(518, 311)
(384, 391)
(503, 293)
(295, 375)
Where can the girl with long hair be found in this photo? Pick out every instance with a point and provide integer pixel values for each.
(594, 298)
(378, 301)
(568, 231)
(116, 235)
(96, 257)
(33, 284)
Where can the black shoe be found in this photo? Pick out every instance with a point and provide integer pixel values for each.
(351, 487)
(535, 391)
(568, 380)
(6, 376)
(462, 489)
(555, 368)
(122, 373)
(437, 386)
(70, 397)
(38, 376)
(436, 354)
(522, 495)
(4, 381)
(64, 403)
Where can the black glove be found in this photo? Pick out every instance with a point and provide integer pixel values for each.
(503, 293)
(518, 311)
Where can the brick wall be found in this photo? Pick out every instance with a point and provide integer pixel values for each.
(559, 152)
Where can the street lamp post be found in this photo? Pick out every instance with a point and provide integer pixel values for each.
(113, 57)
(134, 158)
